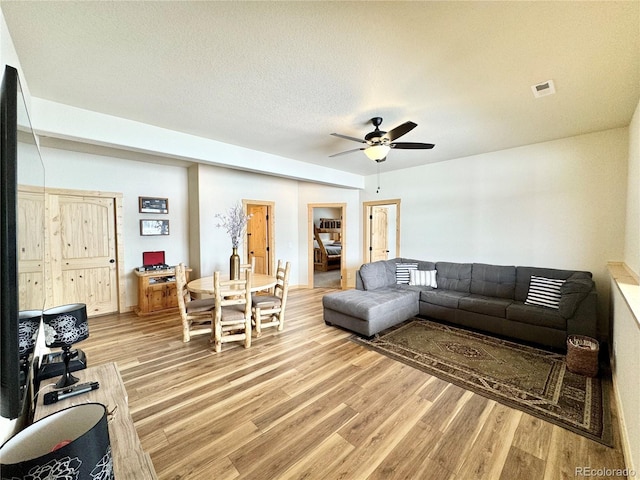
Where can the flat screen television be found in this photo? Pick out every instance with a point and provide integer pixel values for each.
(153, 258)
(20, 168)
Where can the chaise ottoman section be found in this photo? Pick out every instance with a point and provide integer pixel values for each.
(368, 312)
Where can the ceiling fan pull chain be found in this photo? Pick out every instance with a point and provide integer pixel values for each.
(378, 189)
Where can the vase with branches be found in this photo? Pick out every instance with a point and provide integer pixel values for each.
(235, 223)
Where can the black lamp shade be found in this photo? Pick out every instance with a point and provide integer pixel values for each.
(65, 325)
(70, 444)
(28, 327)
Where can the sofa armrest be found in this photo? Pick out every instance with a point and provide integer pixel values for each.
(585, 319)
(359, 284)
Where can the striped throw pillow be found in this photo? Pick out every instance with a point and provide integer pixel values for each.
(402, 271)
(544, 292)
(425, 278)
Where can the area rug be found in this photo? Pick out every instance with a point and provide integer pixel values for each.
(533, 380)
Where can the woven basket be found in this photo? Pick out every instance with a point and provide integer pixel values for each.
(582, 355)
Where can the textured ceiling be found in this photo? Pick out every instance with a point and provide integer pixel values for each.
(279, 77)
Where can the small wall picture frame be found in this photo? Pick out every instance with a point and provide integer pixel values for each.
(154, 227)
(153, 205)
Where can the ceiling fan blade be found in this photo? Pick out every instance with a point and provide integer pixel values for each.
(411, 145)
(400, 130)
(359, 140)
(348, 151)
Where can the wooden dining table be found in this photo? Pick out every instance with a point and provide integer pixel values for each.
(204, 285)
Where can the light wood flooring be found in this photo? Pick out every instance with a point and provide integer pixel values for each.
(330, 279)
(307, 403)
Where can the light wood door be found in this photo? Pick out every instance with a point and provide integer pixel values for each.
(258, 237)
(379, 233)
(83, 252)
(31, 250)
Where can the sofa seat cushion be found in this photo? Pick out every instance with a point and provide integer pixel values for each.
(415, 288)
(369, 306)
(534, 315)
(443, 298)
(495, 307)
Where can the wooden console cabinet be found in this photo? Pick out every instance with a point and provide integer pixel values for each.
(130, 461)
(157, 291)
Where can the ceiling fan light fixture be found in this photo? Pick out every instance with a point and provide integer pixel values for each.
(377, 152)
(379, 142)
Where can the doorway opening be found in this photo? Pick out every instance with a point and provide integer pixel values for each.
(327, 246)
(381, 230)
(259, 239)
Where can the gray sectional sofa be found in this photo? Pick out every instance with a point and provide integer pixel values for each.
(498, 299)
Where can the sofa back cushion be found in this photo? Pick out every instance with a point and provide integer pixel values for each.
(422, 264)
(493, 280)
(423, 278)
(403, 272)
(573, 291)
(378, 274)
(523, 277)
(454, 276)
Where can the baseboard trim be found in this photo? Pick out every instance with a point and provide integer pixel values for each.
(622, 425)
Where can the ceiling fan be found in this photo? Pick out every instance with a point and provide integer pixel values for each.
(380, 142)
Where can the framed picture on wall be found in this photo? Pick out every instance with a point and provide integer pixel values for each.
(153, 205)
(154, 227)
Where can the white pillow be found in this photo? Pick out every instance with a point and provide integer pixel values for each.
(544, 292)
(425, 278)
(402, 271)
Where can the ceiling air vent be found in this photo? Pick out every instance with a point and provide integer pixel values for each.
(543, 89)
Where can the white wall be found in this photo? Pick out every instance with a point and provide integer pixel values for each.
(9, 56)
(632, 233)
(626, 324)
(56, 120)
(83, 171)
(625, 367)
(322, 212)
(392, 219)
(219, 189)
(558, 204)
(310, 193)
(554, 204)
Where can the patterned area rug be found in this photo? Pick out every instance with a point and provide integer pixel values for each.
(529, 379)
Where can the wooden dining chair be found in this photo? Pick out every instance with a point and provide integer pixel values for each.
(268, 310)
(196, 315)
(248, 266)
(232, 318)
